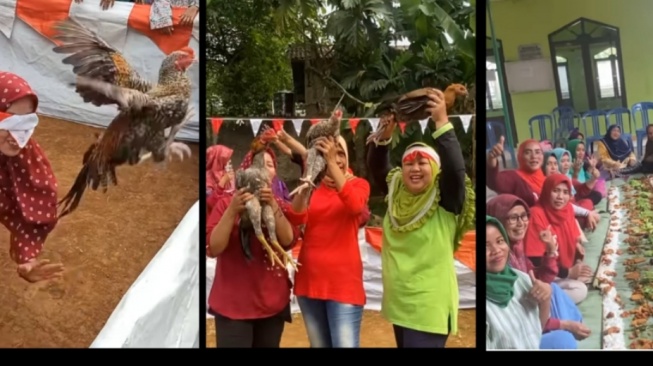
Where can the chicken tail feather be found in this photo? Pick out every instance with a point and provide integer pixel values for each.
(244, 242)
(70, 202)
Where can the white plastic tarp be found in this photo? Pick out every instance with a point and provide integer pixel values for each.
(160, 309)
(28, 54)
(372, 279)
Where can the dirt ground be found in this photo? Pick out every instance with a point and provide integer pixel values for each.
(104, 245)
(376, 332)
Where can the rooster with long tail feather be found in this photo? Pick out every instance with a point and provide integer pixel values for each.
(145, 110)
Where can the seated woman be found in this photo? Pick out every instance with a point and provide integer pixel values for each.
(555, 211)
(513, 213)
(518, 305)
(526, 181)
(583, 173)
(546, 145)
(614, 153)
(550, 165)
(430, 205)
(583, 212)
(563, 158)
(575, 134)
(28, 203)
(250, 298)
(646, 165)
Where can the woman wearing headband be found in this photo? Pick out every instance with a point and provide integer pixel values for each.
(429, 207)
(28, 187)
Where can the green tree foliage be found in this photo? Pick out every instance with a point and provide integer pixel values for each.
(246, 58)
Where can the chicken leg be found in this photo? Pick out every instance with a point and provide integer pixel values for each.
(173, 148)
(312, 171)
(380, 130)
(268, 218)
(254, 212)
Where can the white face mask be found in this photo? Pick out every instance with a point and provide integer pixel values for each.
(20, 127)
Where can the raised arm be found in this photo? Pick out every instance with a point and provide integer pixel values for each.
(378, 164)
(452, 176)
(292, 144)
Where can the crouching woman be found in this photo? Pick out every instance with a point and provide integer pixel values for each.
(250, 299)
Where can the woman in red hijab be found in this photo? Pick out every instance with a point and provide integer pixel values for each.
(553, 211)
(220, 179)
(219, 175)
(28, 187)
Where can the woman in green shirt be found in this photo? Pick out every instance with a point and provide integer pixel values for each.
(430, 205)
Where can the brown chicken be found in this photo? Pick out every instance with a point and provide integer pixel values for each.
(412, 107)
(257, 214)
(315, 162)
(146, 110)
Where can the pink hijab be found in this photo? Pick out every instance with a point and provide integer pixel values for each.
(217, 158)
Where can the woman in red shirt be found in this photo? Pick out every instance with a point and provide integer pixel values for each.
(219, 174)
(28, 187)
(329, 284)
(250, 299)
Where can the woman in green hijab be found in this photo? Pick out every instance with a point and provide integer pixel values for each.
(431, 204)
(517, 304)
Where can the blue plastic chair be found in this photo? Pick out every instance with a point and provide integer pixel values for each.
(494, 130)
(595, 117)
(564, 118)
(619, 113)
(541, 120)
(643, 108)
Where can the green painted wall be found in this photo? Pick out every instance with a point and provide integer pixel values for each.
(520, 22)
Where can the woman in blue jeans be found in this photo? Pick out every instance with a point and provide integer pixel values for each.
(329, 284)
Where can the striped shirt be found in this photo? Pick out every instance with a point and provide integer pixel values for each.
(516, 326)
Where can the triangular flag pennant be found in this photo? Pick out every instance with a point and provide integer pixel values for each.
(423, 123)
(374, 122)
(277, 124)
(466, 119)
(256, 125)
(353, 123)
(297, 123)
(314, 121)
(216, 123)
(402, 127)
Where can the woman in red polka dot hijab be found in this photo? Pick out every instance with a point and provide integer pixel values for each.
(28, 188)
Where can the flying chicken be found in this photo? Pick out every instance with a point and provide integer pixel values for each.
(145, 110)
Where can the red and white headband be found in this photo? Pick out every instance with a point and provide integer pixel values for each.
(420, 150)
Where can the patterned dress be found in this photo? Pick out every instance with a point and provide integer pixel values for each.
(161, 13)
